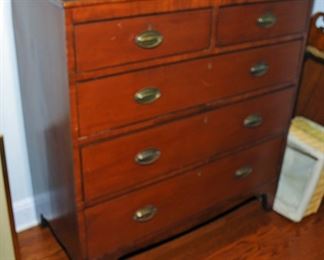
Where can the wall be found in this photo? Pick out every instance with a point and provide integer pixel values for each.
(11, 122)
(11, 125)
(318, 6)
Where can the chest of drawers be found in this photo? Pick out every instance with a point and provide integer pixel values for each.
(146, 118)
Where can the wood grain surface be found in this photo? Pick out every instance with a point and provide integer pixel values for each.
(238, 24)
(179, 200)
(90, 15)
(48, 43)
(113, 42)
(311, 95)
(38, 244)
(261, 235)
(180, 88)
(248, 233)
(108, 167)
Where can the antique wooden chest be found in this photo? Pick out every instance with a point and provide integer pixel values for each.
(145, 118)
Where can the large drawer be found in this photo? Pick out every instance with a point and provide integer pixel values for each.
(125, 162)
(115, 101)
(243, 23)
(136, 217)
(122, 41)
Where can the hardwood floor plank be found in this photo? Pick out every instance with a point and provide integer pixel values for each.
(38, 243)
(248, 233)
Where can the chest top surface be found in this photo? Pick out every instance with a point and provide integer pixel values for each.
(79, 3)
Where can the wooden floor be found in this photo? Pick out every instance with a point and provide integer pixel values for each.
(247, 233)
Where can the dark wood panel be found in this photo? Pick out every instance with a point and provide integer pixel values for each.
(311, 96)
(178, 198)
(111, 43)
(316, 32)
(107, 103)
(238, 24)
(109, 166)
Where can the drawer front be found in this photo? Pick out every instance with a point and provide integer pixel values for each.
(136, 216)
(125, 162)
(115, 101)
(238, 24)
(122, 41)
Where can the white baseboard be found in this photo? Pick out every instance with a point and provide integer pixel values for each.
(25, 214)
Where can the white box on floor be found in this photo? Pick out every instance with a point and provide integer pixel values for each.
(301, 185)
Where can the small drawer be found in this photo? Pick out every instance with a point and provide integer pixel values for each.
(244, 23)
(120, 100)
(119, 164)
(136, 218)
(129, 40)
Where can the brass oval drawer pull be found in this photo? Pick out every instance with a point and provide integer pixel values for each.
(147, 95)
(267, 20)
(149, 39)
(145, 214)
(243, 172)
(259, 69)
(147, 156)
(253, 121)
